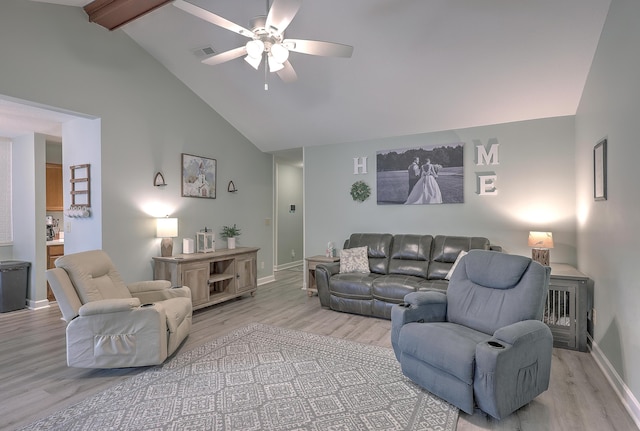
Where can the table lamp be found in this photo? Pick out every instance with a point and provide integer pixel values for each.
(167, 229)
(541, 243)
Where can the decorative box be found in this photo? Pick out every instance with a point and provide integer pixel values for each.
(205, 242)
(187, 246)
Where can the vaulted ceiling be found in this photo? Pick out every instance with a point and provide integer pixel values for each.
(418, 65)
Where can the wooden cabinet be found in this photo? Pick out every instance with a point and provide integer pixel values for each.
(247, 273)
(54, 187)
(567, 307)
(195, 275)
(54, 251)
(212, 277)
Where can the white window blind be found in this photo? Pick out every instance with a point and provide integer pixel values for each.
(6, 230)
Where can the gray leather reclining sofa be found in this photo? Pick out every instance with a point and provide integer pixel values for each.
(399, 264)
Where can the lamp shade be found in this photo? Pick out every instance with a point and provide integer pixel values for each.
(279, 53)
(274, 66)
(255, 48)
(167, 227)
(540, 239)
(253, 61)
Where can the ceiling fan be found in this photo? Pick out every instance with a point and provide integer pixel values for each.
(267, 41)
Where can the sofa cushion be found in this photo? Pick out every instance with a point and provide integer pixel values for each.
(393, 288)
(354, 260)
(410, 255)
(433, 285)
(446, 250)
(379, 245)
(352, 285)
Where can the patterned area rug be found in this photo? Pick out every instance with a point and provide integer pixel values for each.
(264, 378)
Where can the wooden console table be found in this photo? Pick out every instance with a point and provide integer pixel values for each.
(312, 262)
(567, 307)
(212, 277)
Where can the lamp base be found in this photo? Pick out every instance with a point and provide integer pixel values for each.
(540, 255)
(166, 247)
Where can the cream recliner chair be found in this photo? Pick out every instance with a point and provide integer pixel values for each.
(111, 324)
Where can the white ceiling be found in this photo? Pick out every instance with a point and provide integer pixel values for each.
(418, 65)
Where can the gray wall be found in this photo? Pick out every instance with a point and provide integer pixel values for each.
(53, 56)
(289, 224)
(608, 230)
(536, 189)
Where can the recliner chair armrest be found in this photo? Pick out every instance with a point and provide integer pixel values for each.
(163, 294)
(105, 306)
(149, 285)
(518, 361)
(525, 331)
(430, 306)
(324, 272)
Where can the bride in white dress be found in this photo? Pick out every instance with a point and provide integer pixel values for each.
(426, 190)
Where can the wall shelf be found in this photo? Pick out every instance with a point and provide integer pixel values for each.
(81, 185)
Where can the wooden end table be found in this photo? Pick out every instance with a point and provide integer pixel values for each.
(312, 262)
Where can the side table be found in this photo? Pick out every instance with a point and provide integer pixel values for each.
(311, 271)
(567, 307)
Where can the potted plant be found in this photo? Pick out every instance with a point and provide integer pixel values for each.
(230, 233)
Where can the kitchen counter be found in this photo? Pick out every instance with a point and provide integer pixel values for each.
(56, 242)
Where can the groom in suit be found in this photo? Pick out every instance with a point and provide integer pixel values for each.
(414, 173)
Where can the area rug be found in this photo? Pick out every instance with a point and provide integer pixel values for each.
(262, 377)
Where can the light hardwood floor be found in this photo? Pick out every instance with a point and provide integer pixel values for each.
(35, 381)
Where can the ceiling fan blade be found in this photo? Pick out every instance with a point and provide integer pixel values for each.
(225, 56)
(212, 18)
(287, 74)
(281, 14)
(316, 47)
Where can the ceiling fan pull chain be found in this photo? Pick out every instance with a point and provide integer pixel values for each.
(266, 72)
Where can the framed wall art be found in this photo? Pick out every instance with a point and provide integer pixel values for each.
(431, 174)
(198, 176)
(600, 171)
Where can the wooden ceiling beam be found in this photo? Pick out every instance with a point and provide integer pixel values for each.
(113, 14)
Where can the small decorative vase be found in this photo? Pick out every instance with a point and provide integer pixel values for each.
(231, 243)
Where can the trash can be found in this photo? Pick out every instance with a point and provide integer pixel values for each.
(14, 282)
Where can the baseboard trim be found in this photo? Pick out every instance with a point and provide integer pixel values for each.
(629, 401)
(288, 265)
(37, 305)
(265, 280)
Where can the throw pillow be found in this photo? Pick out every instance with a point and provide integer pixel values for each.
(453, 267)
(354, 260)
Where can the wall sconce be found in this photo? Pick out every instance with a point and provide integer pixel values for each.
(541, 243)
(158, 180)
(231, 188)
(167, 229)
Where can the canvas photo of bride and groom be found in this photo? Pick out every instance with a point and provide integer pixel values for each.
(421, 176)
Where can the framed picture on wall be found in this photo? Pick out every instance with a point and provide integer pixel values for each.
(431, 174)
(198, 177)
(600, 171)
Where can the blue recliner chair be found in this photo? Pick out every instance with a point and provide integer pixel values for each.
(482, 342)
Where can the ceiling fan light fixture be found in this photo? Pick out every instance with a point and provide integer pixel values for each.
(255, 48)
(254, 62)
(280, 53)
(274, 65)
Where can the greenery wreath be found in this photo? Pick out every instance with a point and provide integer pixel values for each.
(360, 191)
